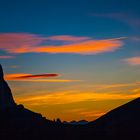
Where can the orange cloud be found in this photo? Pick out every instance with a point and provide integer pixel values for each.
(26, 76)
(67, 97)
(29, 43)
(133, 60)
(92, 113)
(13, 66)
(36, 78)
(87, 113)
(86, 47)
(48, 80)
(108, 86)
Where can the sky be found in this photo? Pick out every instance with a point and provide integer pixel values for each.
(71, 60)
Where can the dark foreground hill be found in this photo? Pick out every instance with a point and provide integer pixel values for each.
(19, 123)
(122, 123)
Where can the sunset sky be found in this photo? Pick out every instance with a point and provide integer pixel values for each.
(71, 59)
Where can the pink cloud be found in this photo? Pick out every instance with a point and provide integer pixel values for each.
(133, 60)
(68, 38)
(6, 56)
(127, 18)
(30, 43)
(18, 41)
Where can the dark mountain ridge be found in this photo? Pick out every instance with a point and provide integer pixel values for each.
(127, 112)
(19, 123)
(120, 123)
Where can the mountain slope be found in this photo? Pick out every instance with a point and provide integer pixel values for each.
(129, 112)
(120, 123)
(19, 123)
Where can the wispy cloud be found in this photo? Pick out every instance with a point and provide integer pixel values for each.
(86, 48)
(92, 114)
(14, 66)
(135, 38)
(87, 113)
(67, 97)
(22, 77)
(29, 43)
(6, 56)
(20, 42)
(101, 88)
(27, 76)
(133, 60)
(112, 86)
(128, 18)
(46, 80)
(68, 38)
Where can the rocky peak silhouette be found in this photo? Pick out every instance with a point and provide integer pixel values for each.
(17, 122)
(6, 98)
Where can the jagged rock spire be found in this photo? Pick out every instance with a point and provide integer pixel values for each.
(6, 98)
(1, 72)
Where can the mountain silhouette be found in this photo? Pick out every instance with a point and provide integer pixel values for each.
(81, 122)
(120, 123)
(6, 98)
(128, 112)
(19, 123)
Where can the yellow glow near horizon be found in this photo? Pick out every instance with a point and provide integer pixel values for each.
(58, 103)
